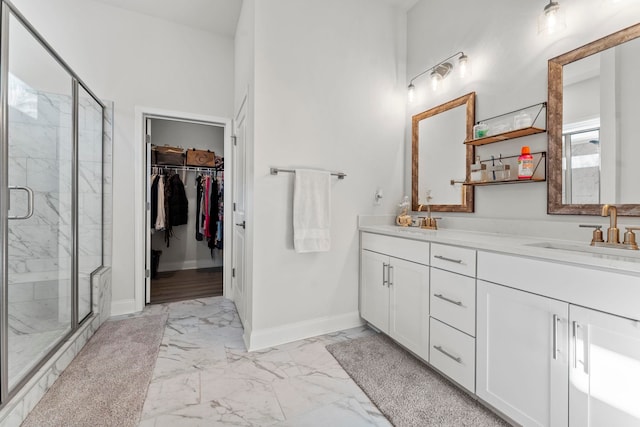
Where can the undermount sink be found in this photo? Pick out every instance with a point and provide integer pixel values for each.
(586, 248)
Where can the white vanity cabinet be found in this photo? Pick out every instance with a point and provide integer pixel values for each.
(453, 313)
(604, 369)
(394, 289)
(522, 355)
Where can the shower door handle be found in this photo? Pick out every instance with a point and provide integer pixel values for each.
(29, 192)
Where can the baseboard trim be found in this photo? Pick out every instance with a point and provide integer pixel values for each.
(189, 265)
(264, 338)
(123, 306)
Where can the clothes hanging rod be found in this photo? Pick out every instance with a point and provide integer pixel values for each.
(274, 171)
(190, 168)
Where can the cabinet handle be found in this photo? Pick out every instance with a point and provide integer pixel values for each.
(385, 281)
(442, 297)
(585, 364)
(389, 277)
(575, 344)
(556, 320)
(449, 355)
(457, 261)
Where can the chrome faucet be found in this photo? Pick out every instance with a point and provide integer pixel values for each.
(613, 234)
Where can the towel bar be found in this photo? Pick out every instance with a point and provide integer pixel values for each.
(274, 171)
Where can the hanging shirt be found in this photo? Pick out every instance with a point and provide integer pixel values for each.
(160, 220)
(154, 200)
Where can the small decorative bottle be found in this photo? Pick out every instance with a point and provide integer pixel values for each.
(478, 171)
(404, 219)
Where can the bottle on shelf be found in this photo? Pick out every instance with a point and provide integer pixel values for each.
(525, 163)
(478, 171)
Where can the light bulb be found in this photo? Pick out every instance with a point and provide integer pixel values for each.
(552, 19)
(435, 80)
(411, 95)
(463, 66)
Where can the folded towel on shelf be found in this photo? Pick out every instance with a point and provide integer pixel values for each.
(312, 211)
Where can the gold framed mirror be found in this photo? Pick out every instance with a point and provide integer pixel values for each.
(440, 160)
(593, 110)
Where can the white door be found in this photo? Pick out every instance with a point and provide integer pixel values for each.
(239, 222)
(522, 355)
(147, 280)
(374, 290)
(605, 370)
(409, 305)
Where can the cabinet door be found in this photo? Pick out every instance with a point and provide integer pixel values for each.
(374, 292)
(409, 290)
(522, 355)
(605, 370)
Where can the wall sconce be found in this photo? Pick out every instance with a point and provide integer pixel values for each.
(440, 71)
(552, 19)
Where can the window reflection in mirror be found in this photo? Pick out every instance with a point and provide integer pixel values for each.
(593, 126)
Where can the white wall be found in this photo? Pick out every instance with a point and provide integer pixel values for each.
(329, 94)
(135, 60)
(509, 62)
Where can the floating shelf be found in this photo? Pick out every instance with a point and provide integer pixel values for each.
(510, 181)
(505, 136)
(514, 124)
(539, 171)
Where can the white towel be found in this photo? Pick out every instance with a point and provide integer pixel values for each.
(312, 211)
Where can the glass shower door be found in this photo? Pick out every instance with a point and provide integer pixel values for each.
(39, 234)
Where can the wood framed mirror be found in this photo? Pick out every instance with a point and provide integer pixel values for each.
(593, 111)
(440, 161)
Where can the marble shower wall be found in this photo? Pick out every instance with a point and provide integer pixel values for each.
(40, 151)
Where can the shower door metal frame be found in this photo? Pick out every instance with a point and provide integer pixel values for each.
(7, 10)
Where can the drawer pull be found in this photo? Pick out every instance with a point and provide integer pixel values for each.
(442, 297)
(449, 355)
(457, 261)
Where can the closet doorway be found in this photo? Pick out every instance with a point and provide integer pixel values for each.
(185, 209)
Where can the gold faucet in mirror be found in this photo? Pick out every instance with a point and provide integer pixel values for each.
(428, 222)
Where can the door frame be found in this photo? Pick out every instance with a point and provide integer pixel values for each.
(140, 178)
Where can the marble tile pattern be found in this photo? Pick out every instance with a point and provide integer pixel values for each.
(205, 377)
(40, 153)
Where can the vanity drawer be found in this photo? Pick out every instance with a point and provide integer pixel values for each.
(453, 300)
(453, 353)
(397, 247)
(454, 258)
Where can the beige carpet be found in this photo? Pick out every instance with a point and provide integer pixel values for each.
(106, 384)
(405, 390)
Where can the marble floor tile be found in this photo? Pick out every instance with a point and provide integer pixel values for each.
(204, 376)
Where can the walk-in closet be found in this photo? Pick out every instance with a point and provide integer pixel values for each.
(185, 218)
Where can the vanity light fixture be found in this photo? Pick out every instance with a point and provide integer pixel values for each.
(552, 19)
(440, 71)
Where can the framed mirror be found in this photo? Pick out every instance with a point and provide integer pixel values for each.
(440, 160)
(593, 127)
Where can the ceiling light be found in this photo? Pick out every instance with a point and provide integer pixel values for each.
(412, 93)
(552, 19)
(440, 71)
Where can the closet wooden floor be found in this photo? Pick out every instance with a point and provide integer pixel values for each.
(169, 286)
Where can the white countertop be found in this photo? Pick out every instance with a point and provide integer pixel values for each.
(619, 260)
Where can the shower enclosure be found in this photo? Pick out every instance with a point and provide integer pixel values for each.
(51, 178)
